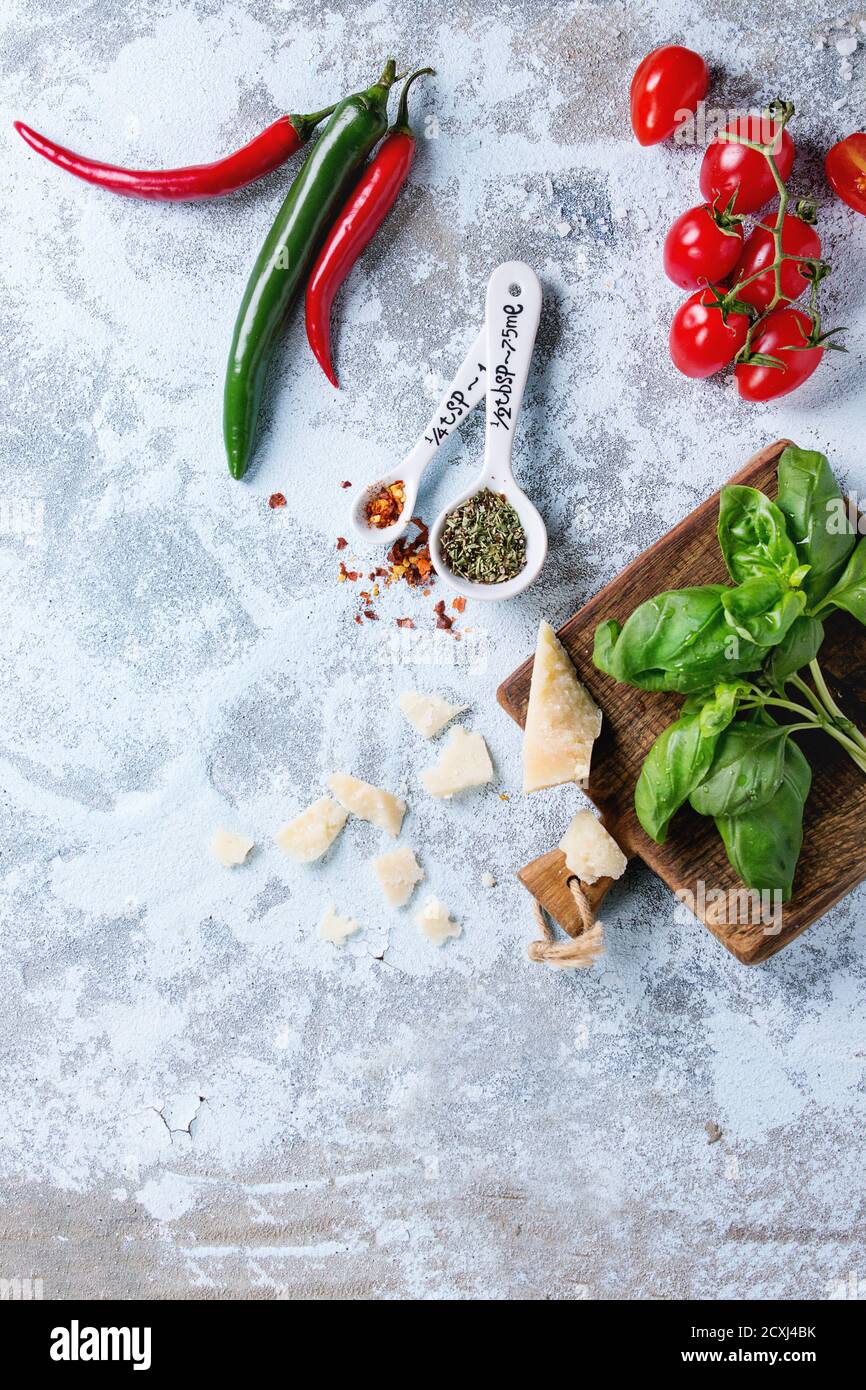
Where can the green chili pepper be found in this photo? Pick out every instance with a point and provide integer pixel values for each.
(317, 193)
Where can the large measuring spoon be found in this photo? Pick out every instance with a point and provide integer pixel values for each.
(511, 323)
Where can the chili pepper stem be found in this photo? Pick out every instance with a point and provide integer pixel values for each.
(304, 125)
(401, 124)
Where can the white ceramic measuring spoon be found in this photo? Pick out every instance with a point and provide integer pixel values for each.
(511, 323)
(464, 393)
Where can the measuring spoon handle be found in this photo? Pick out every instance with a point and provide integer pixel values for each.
(463, 394)
(513, 311)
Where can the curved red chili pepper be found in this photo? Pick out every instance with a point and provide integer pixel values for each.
(361, 217)
(266, 152)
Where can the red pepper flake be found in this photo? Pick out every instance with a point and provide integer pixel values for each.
(459, 604)
(404, 622)
(275, 500)
(443, 619)
(365, 594)
(410, 559)
(357, 617)
(384, 508)
(345, 484)
(342, 542)
(347, 574)
(373, 616)
(425, 593)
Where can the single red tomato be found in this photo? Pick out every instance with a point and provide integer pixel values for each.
(701, 342)
(845, 167)
(799, 238)
(702, 246)
(783, 334)
(667, 85)
(730, 169)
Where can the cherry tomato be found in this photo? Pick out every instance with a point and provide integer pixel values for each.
(783, 331)
(667, 85)
(700, 341)
(799, 238)
(845, 167)
(729, 169)
(702, 246)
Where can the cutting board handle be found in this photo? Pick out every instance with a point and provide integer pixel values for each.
(547, 879)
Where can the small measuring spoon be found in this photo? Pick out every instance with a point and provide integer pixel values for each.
(464, 393)
(511, 323)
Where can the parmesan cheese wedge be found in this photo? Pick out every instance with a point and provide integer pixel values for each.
(312, 832)
(335, 928)
(562, 721)
(230, 849)
(369, 803)
(590, 852)
(465, 762)
(398, 871)
(434, 920)
(428, 713)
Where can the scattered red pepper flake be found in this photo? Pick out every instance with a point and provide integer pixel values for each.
(342, 542)
(346, 484)
(357, 617)
(404, 622)
(459, 604)
(347, 574)
(275, 500)
(443, 619)
(373, 616)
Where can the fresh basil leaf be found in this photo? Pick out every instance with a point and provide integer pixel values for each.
(762, 609)
(681, 756)
(812, 504)
(753, 535)
(606, 637)
(745, 772)
(680, 640)
(764, 845)
(798, 647)
(850, 591)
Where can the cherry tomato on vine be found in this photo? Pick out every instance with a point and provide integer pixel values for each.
(728, 168)
(799, 238)
(667, 85)
(783, 334)
(845, 167)
(703, 245)
(701, 342)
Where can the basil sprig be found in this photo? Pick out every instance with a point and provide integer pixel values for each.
(741, 653)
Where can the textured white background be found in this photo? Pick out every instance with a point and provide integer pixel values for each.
(197, 1096)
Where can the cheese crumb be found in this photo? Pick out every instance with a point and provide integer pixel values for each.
(487, 880)
(465, 763)
(428, 713)
(230, 849)
(312, 832)
(336, 929)
(590, 852)
(435, 922)
(398, 871)
(562, 719)
(368, 802)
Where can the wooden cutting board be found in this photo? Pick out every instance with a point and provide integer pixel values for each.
(833, 860)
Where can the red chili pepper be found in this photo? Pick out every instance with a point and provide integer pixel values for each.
(263, 154)
(363, 214)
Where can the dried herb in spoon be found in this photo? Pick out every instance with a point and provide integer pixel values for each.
(482, 539)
